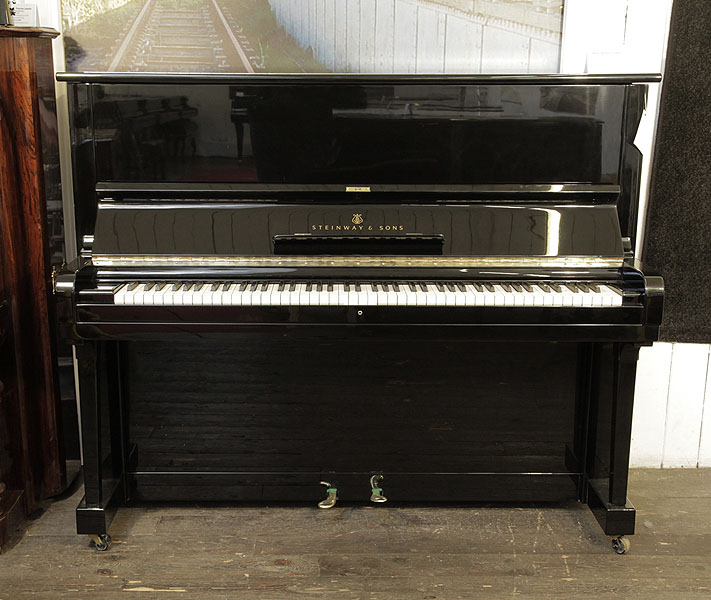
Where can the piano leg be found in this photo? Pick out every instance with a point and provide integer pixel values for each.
(609, 435)
(104, 461)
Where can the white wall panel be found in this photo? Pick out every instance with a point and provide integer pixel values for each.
(405, 36)
(367, 35)
(431, 27)
(504, 51)
(543, 57)
(353, 36)
(705, 443)
(341, 30)
(463, 46)
(384, 35)
(650, 405)
(328, 45)
(687, 384)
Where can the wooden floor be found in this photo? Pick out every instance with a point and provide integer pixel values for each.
(374, 551)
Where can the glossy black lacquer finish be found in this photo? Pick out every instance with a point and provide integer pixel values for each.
(447, 403)
(239, 228)
(356, 132)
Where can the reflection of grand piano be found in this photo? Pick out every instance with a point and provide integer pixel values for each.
(421, 294)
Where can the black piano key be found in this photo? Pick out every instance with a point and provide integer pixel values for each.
(489, 287)
(615, 290)
(440, 286)
(253, 286)
(423, 286)
(477, 286)
(506, 287)
(460, 286)
(243, 286)
(132, 286)
(347, 286)
(149, 286)
(396, 287)
(544, 286)
(572, 287)
(555, 287)
(177, 286)
(265, 286)
(583, 287)
(517, 287)
(319, 286)
(329, 286)
(281, 286)
(309, 286)
(199, 286)
(215, 286)
(187, 286)
(357, 286)
(594, 288)
(292, 286)
(160, 285)
(386, 287)
(527, 286)
(450, 287)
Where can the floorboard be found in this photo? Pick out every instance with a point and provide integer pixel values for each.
(373, 552)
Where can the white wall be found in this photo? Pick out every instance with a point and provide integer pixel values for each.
(416, 36)
(672, 397)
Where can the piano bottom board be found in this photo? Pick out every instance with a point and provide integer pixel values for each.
(354, 487)
(208, 411)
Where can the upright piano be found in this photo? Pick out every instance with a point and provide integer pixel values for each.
(376, 288)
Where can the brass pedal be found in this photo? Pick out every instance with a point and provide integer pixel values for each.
(376, 491)
(331, 498)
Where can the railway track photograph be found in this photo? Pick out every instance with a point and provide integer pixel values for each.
(225, 36)
(312, 36)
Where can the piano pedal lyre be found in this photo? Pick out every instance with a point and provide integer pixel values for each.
(331, 498)
(376, 492)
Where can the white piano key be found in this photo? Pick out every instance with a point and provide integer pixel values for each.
(381, 296)
(612, 297)
(353, 296)
(431, 294)
(328, 298)
(400, 298)
(120, 294)
(304, 295)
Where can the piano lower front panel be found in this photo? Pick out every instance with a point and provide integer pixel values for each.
(263, 417)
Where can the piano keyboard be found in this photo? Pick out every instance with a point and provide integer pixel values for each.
(391, 293)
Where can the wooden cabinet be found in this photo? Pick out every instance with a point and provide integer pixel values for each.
(31, 462)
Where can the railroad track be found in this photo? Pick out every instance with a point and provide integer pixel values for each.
(164, 37)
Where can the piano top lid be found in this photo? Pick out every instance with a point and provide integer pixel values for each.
(358, 78)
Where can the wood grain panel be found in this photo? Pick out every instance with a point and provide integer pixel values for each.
(28, 132)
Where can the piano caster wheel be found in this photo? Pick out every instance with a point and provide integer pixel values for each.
(620, 545)
(376, 492)
(102, 542)
(331, 498)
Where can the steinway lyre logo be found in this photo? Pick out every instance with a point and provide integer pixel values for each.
(357, 218)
